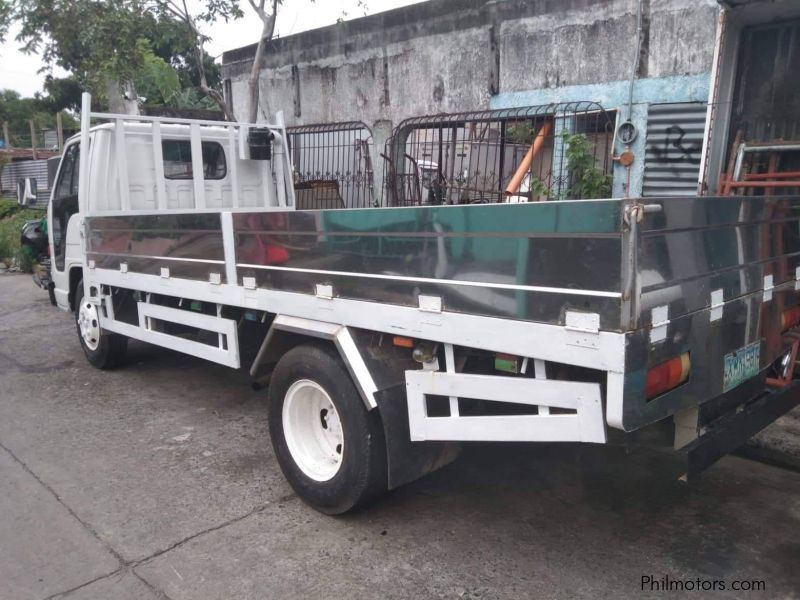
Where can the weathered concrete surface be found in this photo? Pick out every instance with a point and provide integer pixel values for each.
(454, 55)
(121, 585)
(162, 477)
(43, 548)
(779, 443)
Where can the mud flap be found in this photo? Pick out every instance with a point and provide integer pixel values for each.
(735, 427)
(408, 460)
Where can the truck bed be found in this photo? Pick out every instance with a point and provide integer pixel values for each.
(703, 276)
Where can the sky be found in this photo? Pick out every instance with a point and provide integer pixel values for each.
(19, 71)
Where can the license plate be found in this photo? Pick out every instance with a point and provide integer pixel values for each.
(741, 365)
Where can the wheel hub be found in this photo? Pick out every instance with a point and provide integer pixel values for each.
(313, 430)
(89, 325)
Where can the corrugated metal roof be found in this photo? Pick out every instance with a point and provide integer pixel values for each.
(674, 144)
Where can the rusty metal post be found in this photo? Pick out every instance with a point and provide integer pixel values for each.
(33, 139)
(60, 131)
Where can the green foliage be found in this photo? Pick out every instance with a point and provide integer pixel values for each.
(156, 80)
(587, 180)
(96, 41)
(63, 93)
(521, 132)
(172, 41)
(102, 42)
(538, 188)
(8, 208)
(5, 18)
(17, 111)
(191, 98)
(10, 231)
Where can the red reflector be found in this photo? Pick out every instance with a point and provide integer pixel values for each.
(790, 318)
(403, 342)
(667, 375)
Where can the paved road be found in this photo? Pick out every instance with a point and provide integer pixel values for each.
(157, 481)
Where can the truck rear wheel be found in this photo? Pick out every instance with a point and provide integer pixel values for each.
(103, 349)
(329, 447)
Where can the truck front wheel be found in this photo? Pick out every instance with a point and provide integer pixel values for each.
(103, 349)
(329, 447)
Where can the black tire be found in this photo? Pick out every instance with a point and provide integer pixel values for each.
(111, 347)
(362, 474)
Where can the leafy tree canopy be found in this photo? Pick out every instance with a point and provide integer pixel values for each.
(147, 42)
(17, 111)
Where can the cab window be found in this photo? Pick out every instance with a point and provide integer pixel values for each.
(178, 160)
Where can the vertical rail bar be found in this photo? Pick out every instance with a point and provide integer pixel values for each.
(158, 167)
(228, 247)
(450, 367)
(122, 164)
(279, 170)
(502, 160)
(279, 156)
(83, 160)
(197, 166)
(539, 373)
(233, 166)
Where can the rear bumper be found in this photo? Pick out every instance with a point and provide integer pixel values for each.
(733, 428)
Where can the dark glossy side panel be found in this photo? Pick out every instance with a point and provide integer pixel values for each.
(697, 245)
(502, 249)
(744, 320)
(196, 271)
(530, 306)
(691, 248)
(148, 242)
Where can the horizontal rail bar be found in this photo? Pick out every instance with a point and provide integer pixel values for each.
(501, 286)
(762, 184)
(780, 175)
(178, 121)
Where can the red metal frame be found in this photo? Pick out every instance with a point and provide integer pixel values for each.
(786, 379)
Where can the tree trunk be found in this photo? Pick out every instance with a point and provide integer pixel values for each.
(215, 95)
(122, 99)
(267, 31)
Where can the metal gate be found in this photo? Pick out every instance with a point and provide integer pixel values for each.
(332, 165)
(550, 152)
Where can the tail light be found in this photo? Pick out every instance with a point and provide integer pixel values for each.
(667, 375)
(790, 318)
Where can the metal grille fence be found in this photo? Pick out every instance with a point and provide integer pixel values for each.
(552, 152)
(332, 165)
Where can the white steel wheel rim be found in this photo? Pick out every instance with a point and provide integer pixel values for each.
(313, 430)
(89, 325)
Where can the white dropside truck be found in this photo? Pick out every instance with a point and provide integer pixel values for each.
(388, 336)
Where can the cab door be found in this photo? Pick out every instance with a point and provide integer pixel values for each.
(63, 206)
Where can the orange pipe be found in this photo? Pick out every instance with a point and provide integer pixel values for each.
(527, 160)
(778, 175)
(763, 184)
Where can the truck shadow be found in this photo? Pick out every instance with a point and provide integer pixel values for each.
(563, 500)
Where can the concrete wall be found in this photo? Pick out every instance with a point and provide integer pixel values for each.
(460, 55)
(451, 55)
